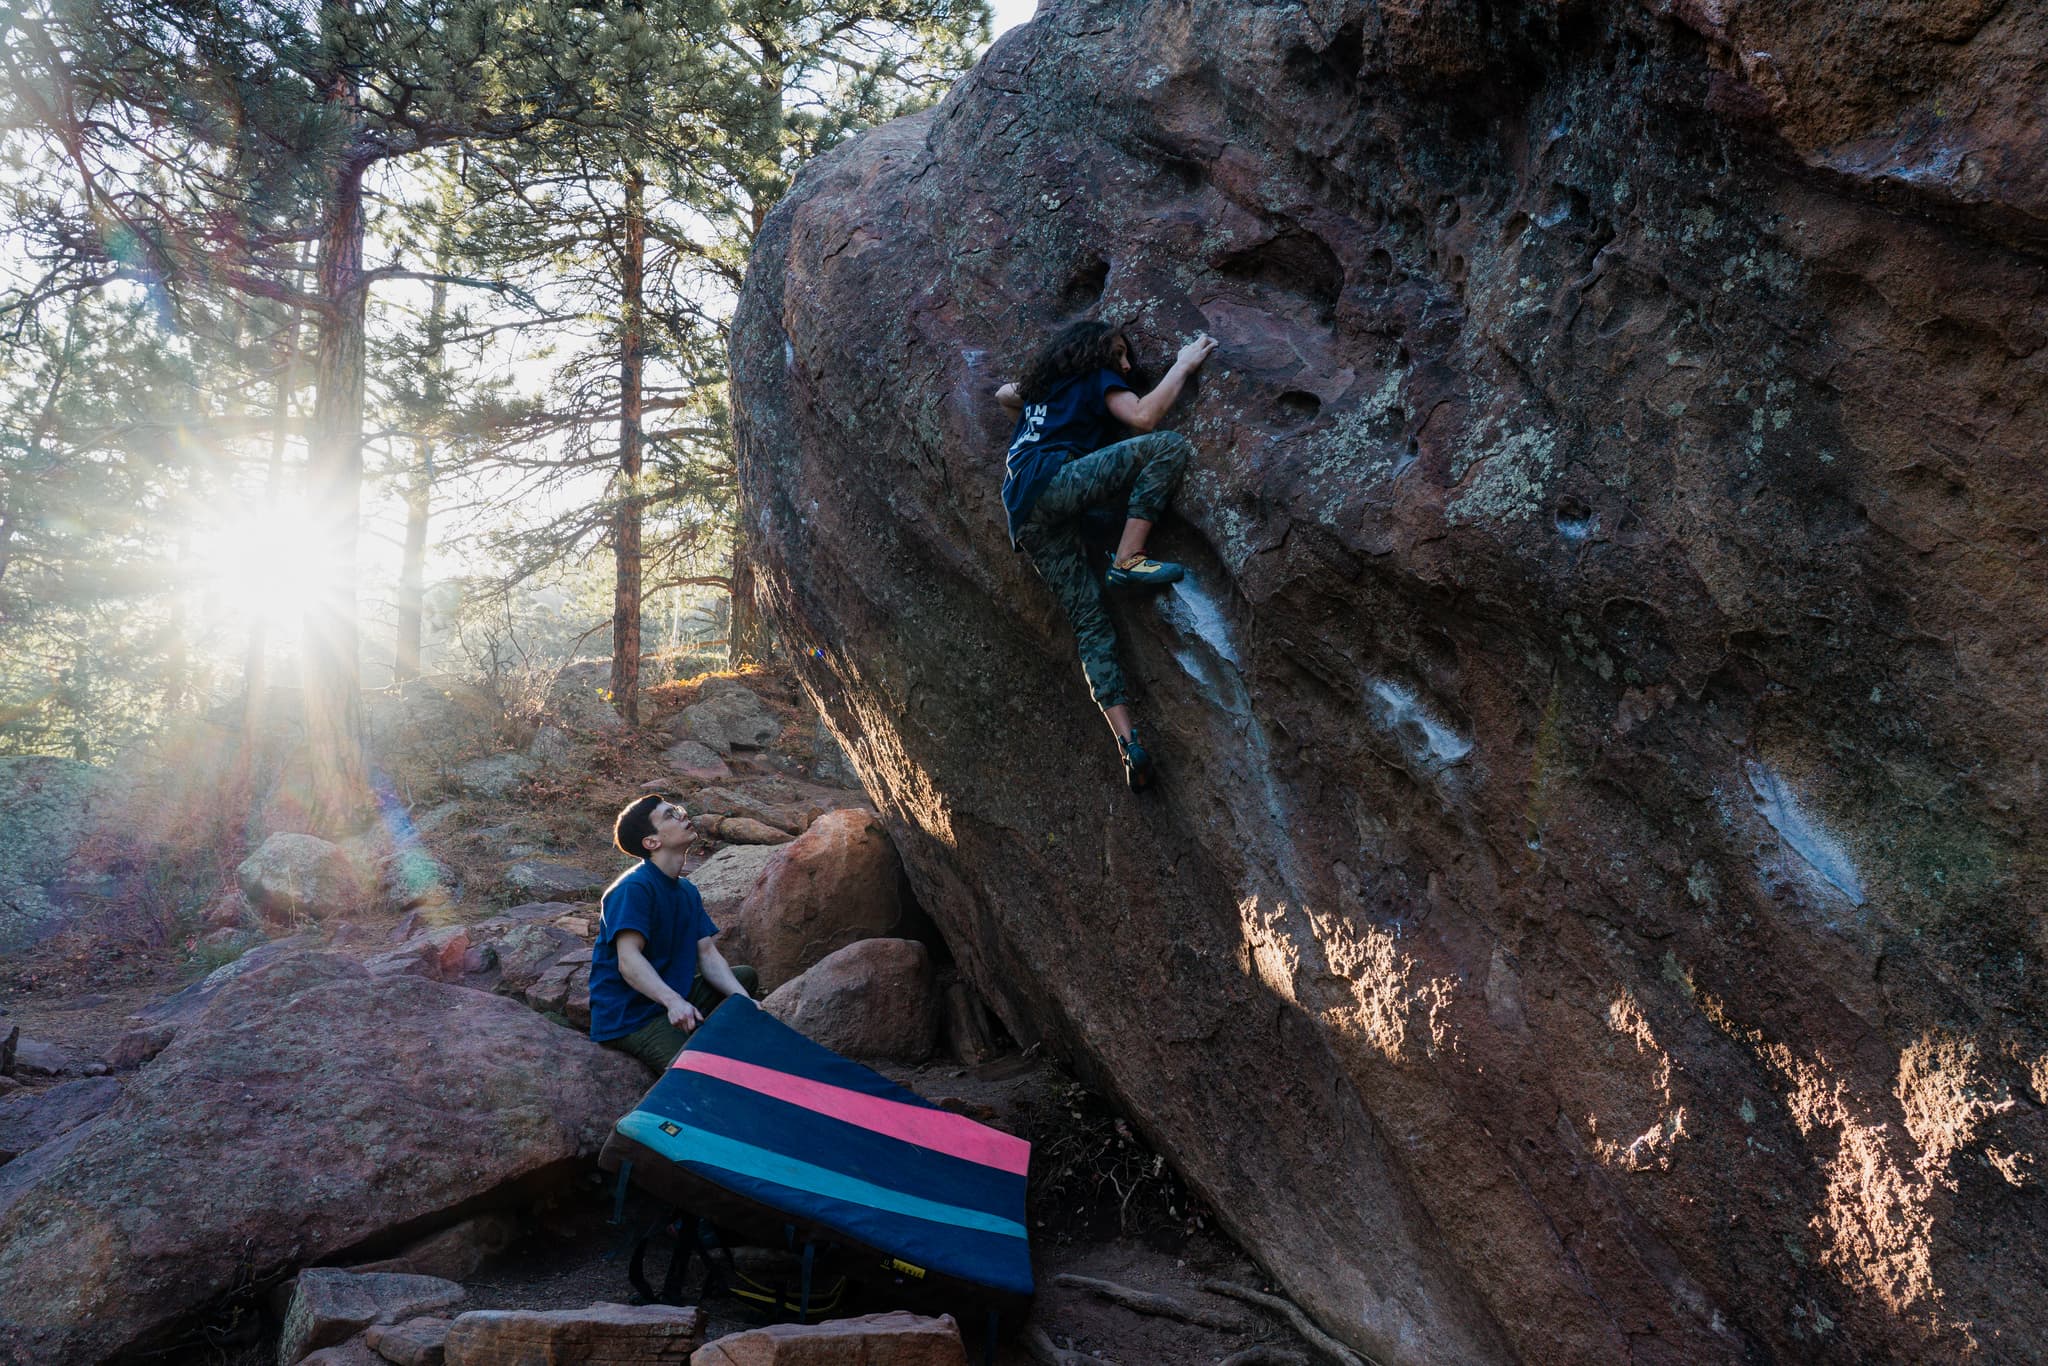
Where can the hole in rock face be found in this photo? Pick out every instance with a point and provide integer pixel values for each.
(1575, 518)
(1561, 203)
(1298, 406)
(1296, 262)
(1336, 65)
(1407, 458)
(1380, 265)
(1084, 287)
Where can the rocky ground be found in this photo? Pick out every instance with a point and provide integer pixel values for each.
(377, 1047)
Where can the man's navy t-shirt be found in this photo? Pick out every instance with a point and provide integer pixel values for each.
(1074, 420)
(669, 913)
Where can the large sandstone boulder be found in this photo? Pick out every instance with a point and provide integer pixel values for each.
(1592, 908)
(292, 877)
(838, 882)
(330, 1106)
(875, 999)
(728, 878)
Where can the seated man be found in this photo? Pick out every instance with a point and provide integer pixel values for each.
(656, 971)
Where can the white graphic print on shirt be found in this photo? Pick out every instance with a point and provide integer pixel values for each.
(1034, 422)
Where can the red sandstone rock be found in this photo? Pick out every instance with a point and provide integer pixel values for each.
(416, 1342)
(33, 1118)
(875, 999)
(602, 1335)
(293, 876)
(747, 830)
(354, 1352)
(333, 1107)
(329, 1306)
(138, 1046)
(1591, 907)
(893, 1339)
(838, 882)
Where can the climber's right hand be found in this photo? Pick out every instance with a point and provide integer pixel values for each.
(1195, 352)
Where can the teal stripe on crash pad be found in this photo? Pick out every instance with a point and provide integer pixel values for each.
(699, 1148)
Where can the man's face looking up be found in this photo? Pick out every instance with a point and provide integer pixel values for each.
(672, 826)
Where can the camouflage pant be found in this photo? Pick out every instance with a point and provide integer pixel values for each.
(1143, 470)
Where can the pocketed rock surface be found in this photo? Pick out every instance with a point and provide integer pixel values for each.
(1592, 907)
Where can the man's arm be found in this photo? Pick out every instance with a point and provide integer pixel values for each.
(711, 963)
(641, 976)
(1143, 414)
(1012, 401)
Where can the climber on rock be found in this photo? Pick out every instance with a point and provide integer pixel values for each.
(655, 971)
(1069, 456)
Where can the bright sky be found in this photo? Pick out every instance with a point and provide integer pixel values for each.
(1010, 13)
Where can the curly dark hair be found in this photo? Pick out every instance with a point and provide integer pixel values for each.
(1075, 349)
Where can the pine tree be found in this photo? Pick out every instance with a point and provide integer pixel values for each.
(205, 142)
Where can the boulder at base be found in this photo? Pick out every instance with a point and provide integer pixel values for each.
(642, 1335)
(892, 1339)
(333, 1106)
(874, 999)
(838, 882)
(292, 876)
(330, 1306)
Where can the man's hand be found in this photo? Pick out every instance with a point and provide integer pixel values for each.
(685, 1016)
(1195, 352)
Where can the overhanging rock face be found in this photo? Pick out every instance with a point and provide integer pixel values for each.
(1593, 911)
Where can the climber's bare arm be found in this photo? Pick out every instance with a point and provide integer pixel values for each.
(1012, 401)
(1143, 414)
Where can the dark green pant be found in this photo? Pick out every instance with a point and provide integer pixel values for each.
(1142, 470)
(657, 1042)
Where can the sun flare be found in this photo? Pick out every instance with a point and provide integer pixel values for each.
(269, 566)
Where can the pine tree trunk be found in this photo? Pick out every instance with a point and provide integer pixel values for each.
(412, 567)
(419, 494)
(256, 659)
(626, 514)
(334, 476)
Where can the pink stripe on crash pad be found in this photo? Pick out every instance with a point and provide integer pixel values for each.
(940, 1130)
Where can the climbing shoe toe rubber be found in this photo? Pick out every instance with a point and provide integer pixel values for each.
(1137, 569)
(1137, 763)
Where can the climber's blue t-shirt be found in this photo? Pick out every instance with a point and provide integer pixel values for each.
(1073, 421)
(669, 913)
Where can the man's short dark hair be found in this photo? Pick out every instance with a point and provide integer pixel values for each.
(635, 824)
